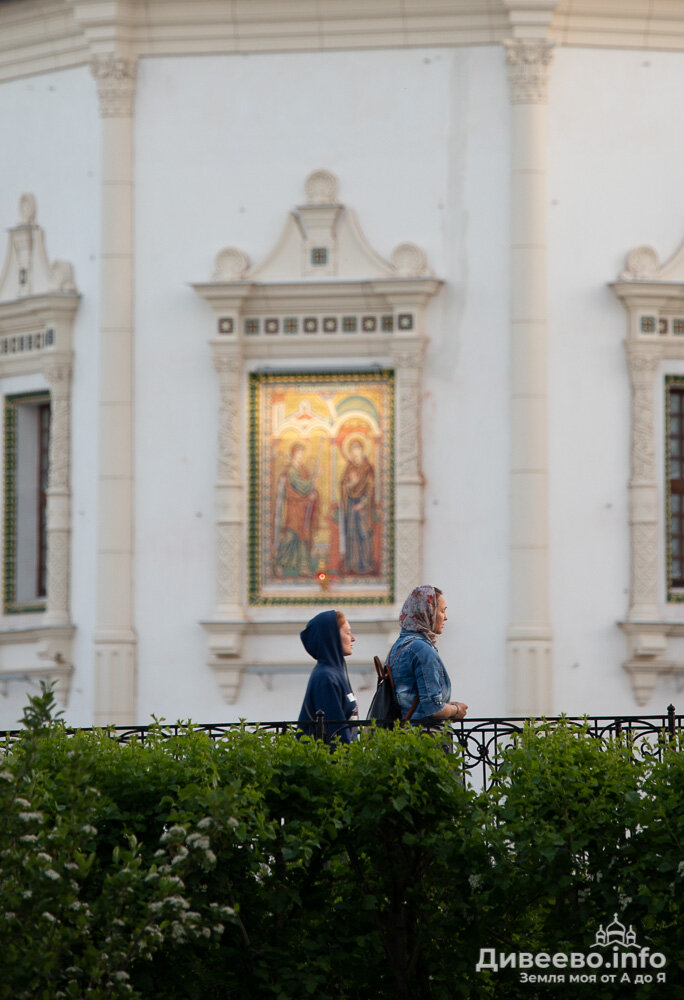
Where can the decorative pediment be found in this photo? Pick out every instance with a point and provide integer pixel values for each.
(27, 270)
(647, 285)
(653, 295)
(323, 239)
(322, 257)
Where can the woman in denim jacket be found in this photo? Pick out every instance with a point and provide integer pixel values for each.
(421, 682)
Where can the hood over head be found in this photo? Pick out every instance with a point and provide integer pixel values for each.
(321, 639)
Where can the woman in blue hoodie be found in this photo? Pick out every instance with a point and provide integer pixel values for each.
(328, 638)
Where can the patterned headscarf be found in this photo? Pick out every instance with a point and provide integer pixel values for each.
(418, 612)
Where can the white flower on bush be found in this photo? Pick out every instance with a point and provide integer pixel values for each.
(199, 841)
(173, 833)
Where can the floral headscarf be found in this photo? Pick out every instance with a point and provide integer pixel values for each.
(418, 612)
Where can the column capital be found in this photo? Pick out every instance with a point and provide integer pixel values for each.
(57, 369)
(528, 61)
(115, 76)
(643, 362)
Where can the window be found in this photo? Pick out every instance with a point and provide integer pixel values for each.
(653, 296)
(27, 444)
(674, 480)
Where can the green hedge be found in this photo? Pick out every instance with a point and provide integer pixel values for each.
(260, 866)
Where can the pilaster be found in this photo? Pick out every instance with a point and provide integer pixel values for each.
(57, 371)
(115, 640)
(643, 489)
(529, 641)
(408, 368)
(230, 485)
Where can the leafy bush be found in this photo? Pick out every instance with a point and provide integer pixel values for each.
(265, 867)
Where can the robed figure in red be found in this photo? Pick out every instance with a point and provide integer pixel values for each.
(296, 516)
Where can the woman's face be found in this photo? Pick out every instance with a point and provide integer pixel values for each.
(440, 614)
(347, 638)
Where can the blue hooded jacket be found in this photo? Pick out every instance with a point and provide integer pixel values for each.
(328, 689)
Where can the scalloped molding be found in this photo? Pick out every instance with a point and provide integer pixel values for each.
(321, 264)
(38, 302)
(648, 288)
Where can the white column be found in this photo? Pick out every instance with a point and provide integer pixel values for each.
(115, 640)
(529, 634)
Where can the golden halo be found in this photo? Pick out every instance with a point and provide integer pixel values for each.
(354, 438)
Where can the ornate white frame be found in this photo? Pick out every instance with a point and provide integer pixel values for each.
(38, 302)
(653, 295)
(349, 277)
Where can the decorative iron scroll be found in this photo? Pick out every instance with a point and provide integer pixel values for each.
(479, 741)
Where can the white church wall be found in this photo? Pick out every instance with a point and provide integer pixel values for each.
(615, 151)
(418, 142)
(53, 152)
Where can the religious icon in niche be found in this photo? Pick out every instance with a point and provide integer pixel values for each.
(321, 495)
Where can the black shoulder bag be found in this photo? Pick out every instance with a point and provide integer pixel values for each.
(384, 707)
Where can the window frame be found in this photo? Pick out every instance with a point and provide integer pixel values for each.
(12, 605)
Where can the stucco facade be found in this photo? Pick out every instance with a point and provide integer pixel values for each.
(476, 177)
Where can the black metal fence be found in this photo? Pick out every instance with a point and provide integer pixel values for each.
(480, 740)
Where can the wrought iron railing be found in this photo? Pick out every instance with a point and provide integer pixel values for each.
(480, 740)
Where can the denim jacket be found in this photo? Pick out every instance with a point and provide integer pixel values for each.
(417, 669)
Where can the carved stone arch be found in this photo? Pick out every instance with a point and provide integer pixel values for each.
(38, 302)
(653, 296)
(325, 298)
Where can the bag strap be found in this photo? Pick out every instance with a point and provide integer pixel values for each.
(385, 671)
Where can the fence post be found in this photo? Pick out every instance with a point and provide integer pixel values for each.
(320, 724)
(671, 722)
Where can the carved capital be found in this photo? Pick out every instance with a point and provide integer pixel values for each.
(228, 367)
(57, 370)
(116, 79)
(643, 364)
(528, 61)
(408, 361)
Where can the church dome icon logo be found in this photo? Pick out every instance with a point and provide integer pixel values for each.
(615, 935)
